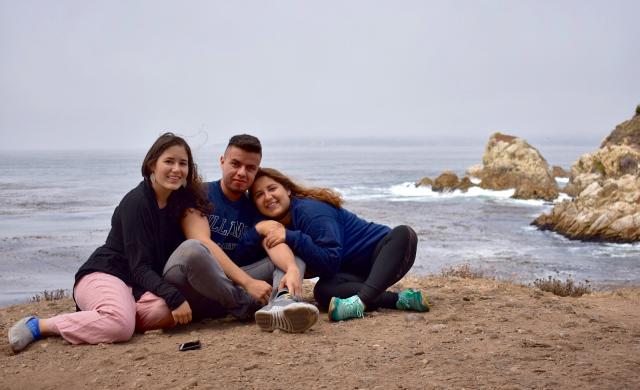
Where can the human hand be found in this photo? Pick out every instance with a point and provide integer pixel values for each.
(259, 290)
(182, 314)
(264, 227)
(292, 281)
(275, 236)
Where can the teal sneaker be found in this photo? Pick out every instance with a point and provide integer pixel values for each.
(341, 309)
(411, 299)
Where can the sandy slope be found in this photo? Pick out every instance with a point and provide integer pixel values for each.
(479, 334)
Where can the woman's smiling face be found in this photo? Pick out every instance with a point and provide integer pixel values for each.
(171, 169)
(271, 198)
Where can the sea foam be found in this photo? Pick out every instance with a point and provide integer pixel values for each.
(408, 191)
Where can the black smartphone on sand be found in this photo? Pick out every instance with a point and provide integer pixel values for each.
(190, 345)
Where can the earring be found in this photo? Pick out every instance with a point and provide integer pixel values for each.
(152, 177)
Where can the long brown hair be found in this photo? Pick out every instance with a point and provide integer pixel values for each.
(318, 193)
(192, 195)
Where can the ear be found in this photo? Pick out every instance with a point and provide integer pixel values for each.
(221, 160)
(289, 193)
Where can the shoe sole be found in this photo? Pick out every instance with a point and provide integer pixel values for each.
(293, 318)
(425, 302)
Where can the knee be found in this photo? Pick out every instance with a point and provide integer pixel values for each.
(191, 253)
(193, 250)
(406, 232)
(152, 315)
(123, 334)
(413, 236)
(404, 235)
(412, 239)
(118, 326)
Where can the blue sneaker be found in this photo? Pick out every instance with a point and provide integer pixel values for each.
(341, 309)
(411, 299)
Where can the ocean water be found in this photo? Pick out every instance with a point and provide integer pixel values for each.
(55, 209)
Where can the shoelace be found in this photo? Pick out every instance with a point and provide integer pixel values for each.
(349, 307)
(285, 296)
(411, 300)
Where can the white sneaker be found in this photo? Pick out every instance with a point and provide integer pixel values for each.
(286, 314)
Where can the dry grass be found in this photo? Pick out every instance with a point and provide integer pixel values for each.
(563, 289)
(462, 271)
(52, 295)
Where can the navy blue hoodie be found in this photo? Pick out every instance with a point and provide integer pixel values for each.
(329, 238)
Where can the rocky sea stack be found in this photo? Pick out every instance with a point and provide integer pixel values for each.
(606, 189)
(448, 181)
(510, 162)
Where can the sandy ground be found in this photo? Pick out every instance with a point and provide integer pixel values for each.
(480, 333)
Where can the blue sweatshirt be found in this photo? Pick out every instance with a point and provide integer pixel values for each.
(329, 238)
(232, 225)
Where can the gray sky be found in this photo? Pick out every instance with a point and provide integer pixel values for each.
(114, 74)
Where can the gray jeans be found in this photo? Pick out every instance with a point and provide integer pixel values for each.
(210, 293)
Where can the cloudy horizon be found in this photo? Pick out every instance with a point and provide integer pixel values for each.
(113, 75)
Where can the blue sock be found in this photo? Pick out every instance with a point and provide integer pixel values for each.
(34, 326)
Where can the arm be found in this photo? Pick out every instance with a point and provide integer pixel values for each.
(318, 242)
(283, 258)
(196, 226)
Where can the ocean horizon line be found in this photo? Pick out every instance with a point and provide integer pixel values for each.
(359, 141)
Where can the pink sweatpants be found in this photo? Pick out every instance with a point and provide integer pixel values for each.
(109, 312)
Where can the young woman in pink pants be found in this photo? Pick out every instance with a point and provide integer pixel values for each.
(120, 288)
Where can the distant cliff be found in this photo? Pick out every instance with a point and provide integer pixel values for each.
(606, 189)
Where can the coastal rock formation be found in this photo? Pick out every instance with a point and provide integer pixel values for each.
(607, 211)
(557, 171)
(606, 187)
(424, 182)
(610, 161)
(448, 181)
(510, 162)
(465, 183)
(618, 155)
(475, 170)
(626, 133)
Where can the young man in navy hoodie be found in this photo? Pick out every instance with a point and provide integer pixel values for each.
(272, 278)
